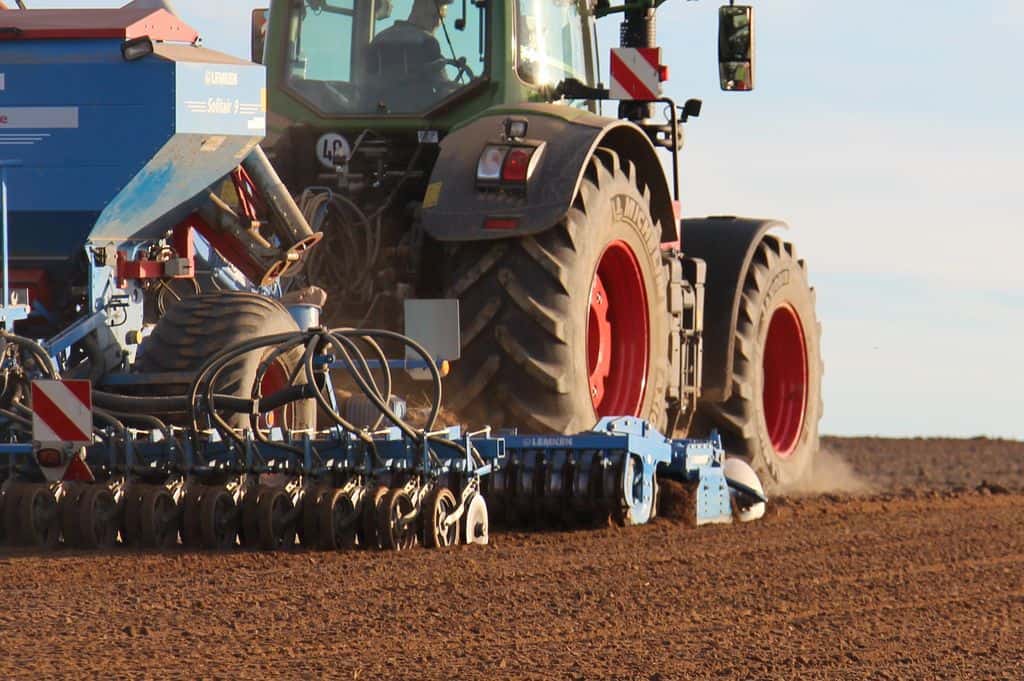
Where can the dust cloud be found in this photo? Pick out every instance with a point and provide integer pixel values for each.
(829, 474)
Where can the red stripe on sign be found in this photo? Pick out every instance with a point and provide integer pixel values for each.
(57, 420)
(82, 390)
(652, 55)
(624, 76)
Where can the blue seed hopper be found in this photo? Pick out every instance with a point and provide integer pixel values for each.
(120, 124)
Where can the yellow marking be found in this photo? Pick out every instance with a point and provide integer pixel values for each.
(263, 99)
(433, 195)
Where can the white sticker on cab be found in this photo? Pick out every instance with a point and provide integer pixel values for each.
(3, 82)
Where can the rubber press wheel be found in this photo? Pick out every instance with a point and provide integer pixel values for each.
(772, 417)
(569, 325)
(37, 518)
(191, 530)
(438, 506)
(277, 520)
(158, 519)
(218, 519)
(68, 511)
(372, 502)
(98, 521)
(392, 531)
(339, 521)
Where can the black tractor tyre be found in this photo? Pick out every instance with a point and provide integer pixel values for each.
(771, 418)
(526, 309)
(195, 328)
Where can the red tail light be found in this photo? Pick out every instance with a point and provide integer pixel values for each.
(507, 165)
(50, 458)
(517, 165)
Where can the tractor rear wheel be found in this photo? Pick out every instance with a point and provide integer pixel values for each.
(195, 328)
(771, 418)
(564, 327)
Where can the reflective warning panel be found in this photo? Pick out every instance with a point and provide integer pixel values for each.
(62, 412)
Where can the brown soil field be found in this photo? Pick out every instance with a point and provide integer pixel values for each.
(902, 559)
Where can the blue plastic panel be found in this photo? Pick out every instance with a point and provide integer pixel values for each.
(111, 150)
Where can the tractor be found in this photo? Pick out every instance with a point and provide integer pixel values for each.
(166, 371)
(459, 150)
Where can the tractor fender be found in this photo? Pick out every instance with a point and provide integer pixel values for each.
(727, 244)
(454, 209)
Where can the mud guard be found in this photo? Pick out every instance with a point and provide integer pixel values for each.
(455, 210)
(727, 244)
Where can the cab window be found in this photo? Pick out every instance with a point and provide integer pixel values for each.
(350, 57)
(553, 38)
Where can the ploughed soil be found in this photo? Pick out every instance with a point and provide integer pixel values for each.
(915, 569)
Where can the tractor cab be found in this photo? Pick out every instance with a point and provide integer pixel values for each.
(422, 59)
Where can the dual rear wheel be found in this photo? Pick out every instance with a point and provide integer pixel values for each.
(569, 325)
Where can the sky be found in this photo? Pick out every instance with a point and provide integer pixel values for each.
(889, 136)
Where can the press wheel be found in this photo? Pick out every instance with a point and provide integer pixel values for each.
(97, 518)
(438, 506)
(218, 519)
(371, 504)
(69, 515)
(339, 520)
(393, 531)
(191, 531)
(309, 529)
(38, 517)
(158, 519)
(476, 523)
(277, 520)
(131, 519)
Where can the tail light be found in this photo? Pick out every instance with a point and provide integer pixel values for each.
(50, 458)
(510, 166)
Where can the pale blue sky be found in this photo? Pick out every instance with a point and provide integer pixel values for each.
(889, 135)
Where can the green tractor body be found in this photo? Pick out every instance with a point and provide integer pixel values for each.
(456, 150)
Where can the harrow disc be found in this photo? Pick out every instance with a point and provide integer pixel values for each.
(339, 520)
(394, 528)
(158, 519)
(98, 521)
(276, 519)
(218, 519)
(438, 507)
(475, 522)
(371, 506)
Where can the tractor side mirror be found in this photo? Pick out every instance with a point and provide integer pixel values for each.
(736, 47)
(260, 17)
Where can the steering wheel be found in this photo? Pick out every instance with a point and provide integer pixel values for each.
(461, 66)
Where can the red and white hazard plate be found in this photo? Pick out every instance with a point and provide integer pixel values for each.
(637, 73)
(62, 412)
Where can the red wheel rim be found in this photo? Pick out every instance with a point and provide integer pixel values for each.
(618, 333)
(785, 380)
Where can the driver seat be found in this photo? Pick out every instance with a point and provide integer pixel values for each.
(401, 75)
